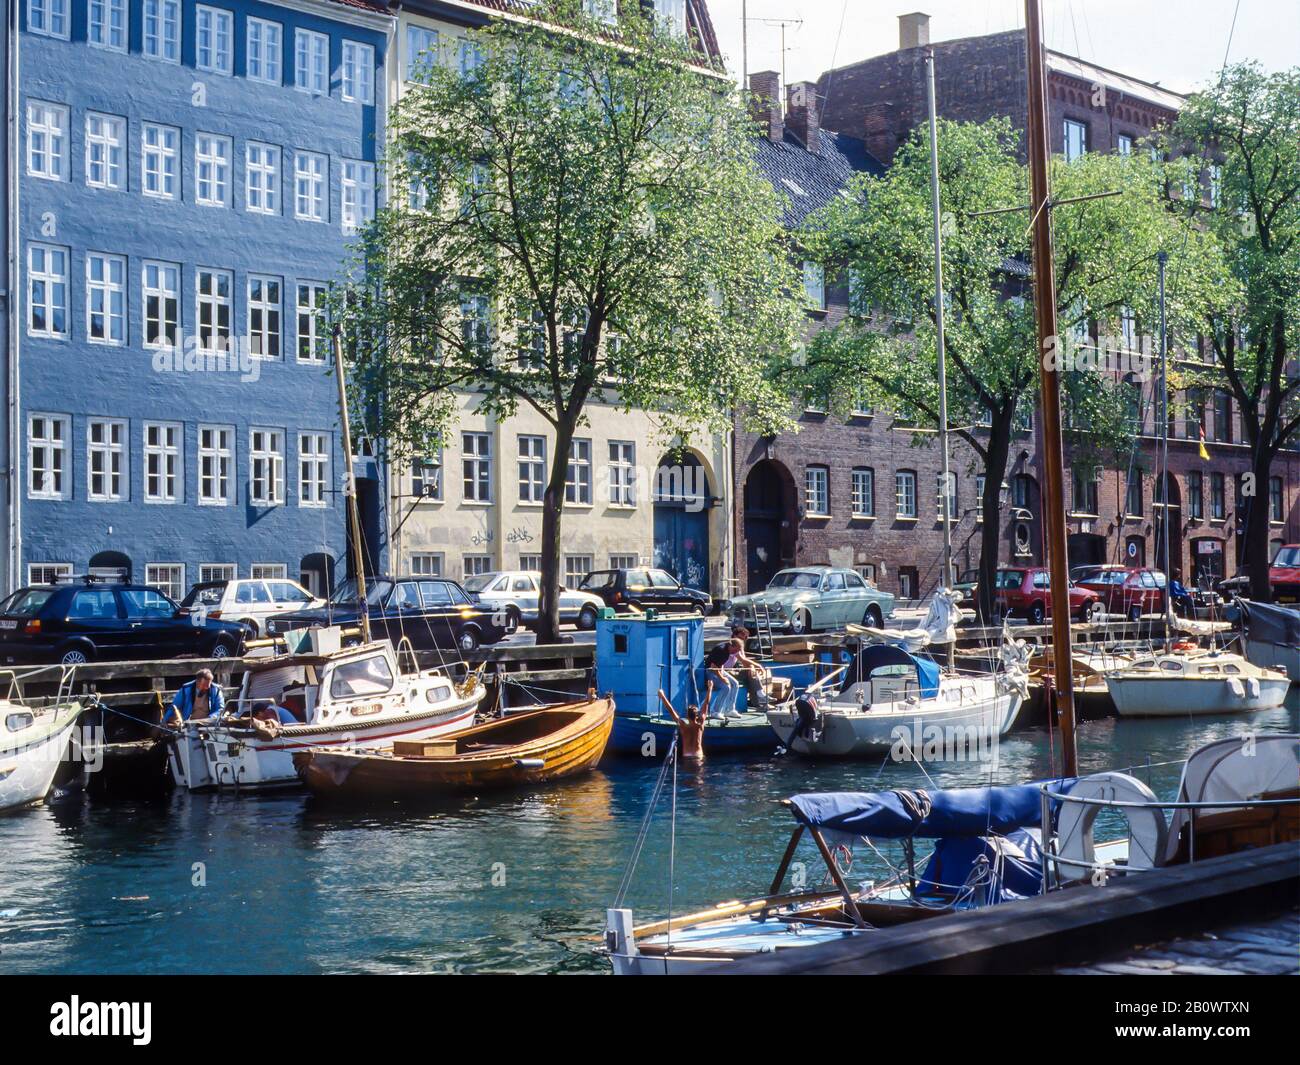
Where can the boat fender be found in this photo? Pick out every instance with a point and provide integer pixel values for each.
(1147, 827)
(1252, 687)
(1234, 686)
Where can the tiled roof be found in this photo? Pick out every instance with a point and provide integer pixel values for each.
(378, 7)
(810, 181)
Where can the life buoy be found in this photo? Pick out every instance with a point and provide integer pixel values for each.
(1147, 827)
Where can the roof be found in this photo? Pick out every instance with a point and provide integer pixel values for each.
(810, 181)
(1130, 86)
(375, 6)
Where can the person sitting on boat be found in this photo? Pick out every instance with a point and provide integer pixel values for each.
(198, 699)
(751, 672)
(267, 718)
(717, 670)
(690, 730)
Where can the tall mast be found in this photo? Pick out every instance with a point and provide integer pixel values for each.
(1162, 259)
(946, 489)
(1049, 382)
(350, 488)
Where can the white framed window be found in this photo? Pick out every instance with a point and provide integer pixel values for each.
(106, 460)
(162, 462)
(604, 10)
(312, 335)
(980, 482)
(105, 151)
(577, 481)
(814, 285)
(265, 467)
(1124, 144)
(622, 473)
(469, 56)
(473, 565)
(216, 464)
(214, 300)
(358, 194)
(47, 140)
(530, 563)
(268, 571)
(106, 24)
(217, 571)
(160, 288)
(905, 494)
(532, 468)
(426, 477)
(311, 61)
(575, 568)
(47, 572)
(48, 17)
(310, 177)
(864, 492)
(624, 561)
(670, 15)
(817, 491)
(161, 35)
(313, 469)
(265, 49)
(475, 322)
(47, 291)
(421, 51)
(105, 298)
(1076, 139)
(212, 169)
(264, 316)
(262, 178)
(213, 39)
(424, 563)
(47, 456)
(952, 496)
(358, 73)
(167, 577)
(160, 148)
(476, 466)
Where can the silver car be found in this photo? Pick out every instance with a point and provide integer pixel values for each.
(516, 592)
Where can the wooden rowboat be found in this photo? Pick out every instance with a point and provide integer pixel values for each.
(522, 749)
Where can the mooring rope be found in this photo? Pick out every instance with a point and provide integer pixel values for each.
(643, 831)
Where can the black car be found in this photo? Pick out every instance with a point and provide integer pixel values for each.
(431, 612)
(644, 588)
(85, 622)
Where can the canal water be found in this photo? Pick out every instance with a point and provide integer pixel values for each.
(513, 883)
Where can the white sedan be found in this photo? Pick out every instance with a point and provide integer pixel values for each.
(516, 592)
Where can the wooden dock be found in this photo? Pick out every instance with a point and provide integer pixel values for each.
(1082, 928)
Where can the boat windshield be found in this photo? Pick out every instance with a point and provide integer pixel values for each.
(793, 578)
(346, 593)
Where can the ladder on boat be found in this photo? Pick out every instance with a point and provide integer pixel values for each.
(763, 630)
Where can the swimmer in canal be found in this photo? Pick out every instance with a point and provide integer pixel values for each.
(690, 729)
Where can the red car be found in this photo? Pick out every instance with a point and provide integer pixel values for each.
(1284, 574)
(1027, 591)
(1121, 590)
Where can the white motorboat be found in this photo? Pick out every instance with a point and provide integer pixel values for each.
(355, 697)
(1176, 684)
(32, 744)
(890, 699)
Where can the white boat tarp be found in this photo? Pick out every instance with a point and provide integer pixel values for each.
(939, 626)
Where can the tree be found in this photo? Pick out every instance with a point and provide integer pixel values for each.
(1105, 255)
(1248, 129)
(585, 222)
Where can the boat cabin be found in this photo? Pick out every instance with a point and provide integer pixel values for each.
(882, 673)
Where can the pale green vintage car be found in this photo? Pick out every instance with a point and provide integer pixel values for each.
(807, 598)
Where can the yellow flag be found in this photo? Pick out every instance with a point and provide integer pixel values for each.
(1205, 455)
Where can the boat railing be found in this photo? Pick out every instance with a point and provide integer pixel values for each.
(1051, 859)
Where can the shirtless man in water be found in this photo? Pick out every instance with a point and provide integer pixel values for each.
(690, 730)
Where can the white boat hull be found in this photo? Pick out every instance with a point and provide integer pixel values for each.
(1155, 696)
(27, 769)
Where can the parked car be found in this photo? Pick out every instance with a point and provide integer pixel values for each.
(1026, 591)
(807, 598)
(431, 612)
(1284, 574)
(251, 602)
(967, 587)
(1128, 591)
(517, 592)
(644, 588)
(86, 622)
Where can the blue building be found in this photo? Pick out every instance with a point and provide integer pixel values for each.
(187, 179)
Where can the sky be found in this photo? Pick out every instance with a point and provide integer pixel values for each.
(1178, 43)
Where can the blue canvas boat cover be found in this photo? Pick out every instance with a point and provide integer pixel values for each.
(949, 812)
(1270, 623)
(875, 656)
(1008, 868)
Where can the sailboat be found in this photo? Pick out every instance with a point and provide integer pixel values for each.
(33, 743)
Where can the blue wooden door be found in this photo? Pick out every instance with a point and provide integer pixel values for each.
(682, 544)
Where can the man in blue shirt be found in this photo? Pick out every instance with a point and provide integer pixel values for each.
(198, 699)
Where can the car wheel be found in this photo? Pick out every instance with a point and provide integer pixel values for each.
(1036, 614)
(221, 649)
(800, 623)
(1135, 613)
(1092, 612)
(467, 640)
(872, 617)
(76, 655)
(587, 618)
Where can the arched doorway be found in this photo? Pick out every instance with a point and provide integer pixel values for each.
(316, 573)
(111, 564)
(681, 519)
(1168, 499)
(769, 522)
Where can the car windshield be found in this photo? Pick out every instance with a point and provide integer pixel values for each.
(205, 595)
(793, 578)
(1108, 576)
(346, 593)
(479, 582)
(26, 602)
(1287, 558)
(599, 579)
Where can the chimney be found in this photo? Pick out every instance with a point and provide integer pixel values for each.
(913, 30)
(802, 114)
(765, 103)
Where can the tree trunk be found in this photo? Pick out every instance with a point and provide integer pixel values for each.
(548, 602)
(1256, 558)
(995, 471)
